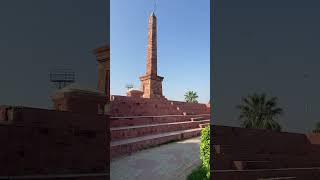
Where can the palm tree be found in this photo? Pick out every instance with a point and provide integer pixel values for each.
(317, 128)
(259, 112)
(191, 96)
(129, 86)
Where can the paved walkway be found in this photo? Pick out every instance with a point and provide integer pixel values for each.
(174, 161)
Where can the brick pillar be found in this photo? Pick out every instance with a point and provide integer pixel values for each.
(103, 58)
(151, 83)
(78, 100)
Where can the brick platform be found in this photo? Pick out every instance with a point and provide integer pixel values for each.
(245, 154)
(140, 123)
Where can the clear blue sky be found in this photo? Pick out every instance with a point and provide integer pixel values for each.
(183, 45)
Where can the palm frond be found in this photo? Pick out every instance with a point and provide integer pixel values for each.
(257, 111)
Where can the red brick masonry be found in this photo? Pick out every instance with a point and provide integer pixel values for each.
(41, 144)
(151, 83)
(245, 154)
(140, 123)
(133, 106)
(103, 59)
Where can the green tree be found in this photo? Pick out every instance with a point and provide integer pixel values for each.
(257, 111)
(317, 128)
(129, 86)
(191, 96)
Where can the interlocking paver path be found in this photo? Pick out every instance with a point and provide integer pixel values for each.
(173, 161)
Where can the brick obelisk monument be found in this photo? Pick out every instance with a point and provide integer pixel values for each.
(151, 83)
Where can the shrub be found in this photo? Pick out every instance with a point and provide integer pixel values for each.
(205, 149)
(198, 174)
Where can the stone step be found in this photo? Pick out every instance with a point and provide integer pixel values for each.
(131, 145)
(290, 163)
(256, 139)
(260, 157)
(277, 178)
(234, 149)
(298, 174)
(199, 118)
(242, 165)
(294, 149)
(224, 162)
(142, 120)
(122, 133)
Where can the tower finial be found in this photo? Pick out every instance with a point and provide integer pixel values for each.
(155, 6)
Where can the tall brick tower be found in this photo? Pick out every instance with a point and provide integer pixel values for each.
(151, 83)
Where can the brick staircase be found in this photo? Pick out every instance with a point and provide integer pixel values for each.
(140, 123)
(250, 154)
(131, 134)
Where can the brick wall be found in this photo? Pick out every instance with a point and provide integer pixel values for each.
(274, 152)
(132, 106)
(40, 142)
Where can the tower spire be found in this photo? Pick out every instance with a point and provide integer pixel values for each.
(152, 46)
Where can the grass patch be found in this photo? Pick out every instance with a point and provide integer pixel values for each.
(200, 173)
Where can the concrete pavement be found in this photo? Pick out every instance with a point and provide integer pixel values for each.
(173, 161)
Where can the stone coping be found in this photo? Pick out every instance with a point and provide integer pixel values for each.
(78, 88)
(155, 125)
(149, 137)
(160, 116)
(254, 170)
(54, 176)
(174, 102)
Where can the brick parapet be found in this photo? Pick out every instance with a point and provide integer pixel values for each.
(243, 153)
(134, 106)
(80, 101)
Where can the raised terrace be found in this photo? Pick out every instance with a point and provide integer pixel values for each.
(70, 142)
(146, 118)
(251, 154)
(49, 144)
(139, 123)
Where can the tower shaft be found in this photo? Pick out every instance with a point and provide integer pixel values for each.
(151, 83)
(152, 46)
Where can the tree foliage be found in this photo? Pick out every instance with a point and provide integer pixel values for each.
(191, 96)
(129, 86)
(317, 128)
(257, 111)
